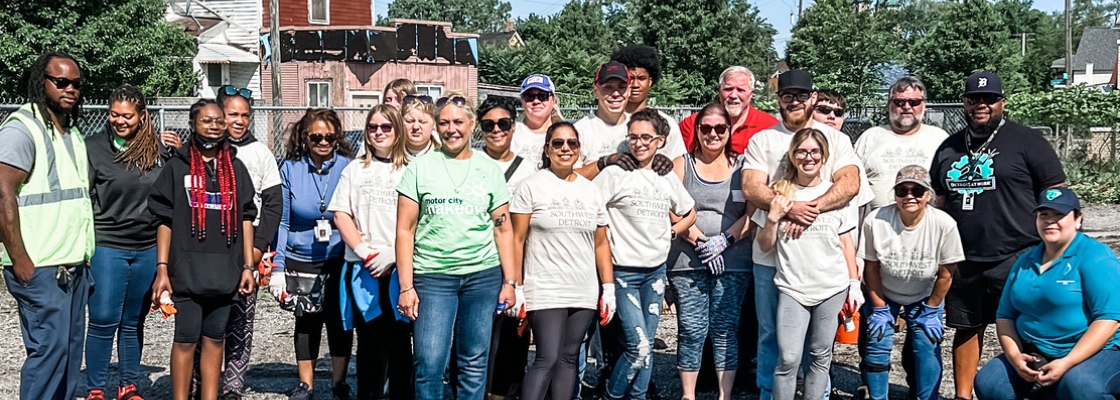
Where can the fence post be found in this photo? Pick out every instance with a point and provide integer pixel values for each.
(162, 121)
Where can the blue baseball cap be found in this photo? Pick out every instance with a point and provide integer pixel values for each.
(1060, 199)
(537, 81)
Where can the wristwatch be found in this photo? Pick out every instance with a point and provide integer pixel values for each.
(248, 267)
(512, 283)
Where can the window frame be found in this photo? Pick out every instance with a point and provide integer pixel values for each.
(311, 13)
(319, 94)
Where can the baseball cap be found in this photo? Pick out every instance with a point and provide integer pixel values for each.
(795, 79)
(915, 174)
(537, 81)
(1060, 199)
(611, 70)
(983, 83)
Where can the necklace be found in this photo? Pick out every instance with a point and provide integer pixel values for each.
(465, 175)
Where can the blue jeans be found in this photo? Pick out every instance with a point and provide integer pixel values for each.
(766, 305)
(1098, 377)
(924, 373)
(459, 307)
(708, 305)
(120, 300)
(640, 292)
(52, 320)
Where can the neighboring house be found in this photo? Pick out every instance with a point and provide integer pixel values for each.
(227, 32)
(1095, 60)
(509, 37)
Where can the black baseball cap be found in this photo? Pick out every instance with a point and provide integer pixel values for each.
(983, 83)
(611, 70)
(795, 79)
(1060, 199)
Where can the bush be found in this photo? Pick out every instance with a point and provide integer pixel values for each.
(1093, 182)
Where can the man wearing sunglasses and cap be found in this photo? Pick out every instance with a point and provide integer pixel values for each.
(988, 177)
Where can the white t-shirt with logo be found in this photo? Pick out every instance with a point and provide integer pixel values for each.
(528, 145)
(599, 139)
(884, 153)
(559, 263)
(812, 268)
(909, 258)
(369, 195)
(639, 203)
(263, 170)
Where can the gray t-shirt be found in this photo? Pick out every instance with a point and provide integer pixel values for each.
(18, 149)
(718, 206)
(909, 258)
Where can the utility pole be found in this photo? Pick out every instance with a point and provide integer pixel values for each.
(1069, 45)
(274, 43)
(800, 6)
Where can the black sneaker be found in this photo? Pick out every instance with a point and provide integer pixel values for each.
(341, 391)
(301, 392)
(230, 396)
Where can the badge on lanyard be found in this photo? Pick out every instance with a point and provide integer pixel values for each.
(968, 201)
(322, 230)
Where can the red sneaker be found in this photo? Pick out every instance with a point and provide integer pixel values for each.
(96, 394)
(128, 392)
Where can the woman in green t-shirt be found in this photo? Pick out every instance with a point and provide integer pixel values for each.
(453, 232)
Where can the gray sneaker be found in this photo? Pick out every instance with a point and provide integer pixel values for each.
(301, 392)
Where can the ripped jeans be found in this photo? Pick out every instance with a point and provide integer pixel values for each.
(639, 292)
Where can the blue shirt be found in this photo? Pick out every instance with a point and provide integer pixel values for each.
(307, 193)
(1054, 308)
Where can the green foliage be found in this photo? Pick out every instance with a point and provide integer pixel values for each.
(475, 16)
(1078, 106)
(1092, 181)
(1045, 40)
(115, 41)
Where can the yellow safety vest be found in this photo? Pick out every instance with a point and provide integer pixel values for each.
(55, 213)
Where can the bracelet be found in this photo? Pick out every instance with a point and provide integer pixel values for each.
(247, 267)
(511, 283)
(406, 290)
(163, 263)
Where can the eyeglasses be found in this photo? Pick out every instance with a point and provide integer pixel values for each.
(790, 97)
(456, 100)
(838, 112)
(643, 139)
(903, 102)
(63, 83)
(902, 191)
(422, 99)
(805, 154)
(504, 124)
(558, 143)
(706, 129)
(214, 121)
(987, 98)
(232, 91)
(373, 128)
(318, 137)
(528, 97)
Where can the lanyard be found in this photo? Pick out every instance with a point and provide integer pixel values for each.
(974, 156)
(322, 193)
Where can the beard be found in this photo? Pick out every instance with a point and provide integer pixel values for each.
(905, 123)
(798, 120)
(56, 107)
(985, 129)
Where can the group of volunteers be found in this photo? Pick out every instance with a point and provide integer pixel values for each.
(448, 259)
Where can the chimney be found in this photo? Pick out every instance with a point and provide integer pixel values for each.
(509, 25)
(1089, 73)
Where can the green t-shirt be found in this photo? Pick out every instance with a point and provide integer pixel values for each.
(454, 232)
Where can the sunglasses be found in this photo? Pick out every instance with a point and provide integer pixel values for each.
(912, 102)
(456, 100)
(232, 91)
(988, 98)
(838, 112)
(790, 97)
(706, 129)
(902, 191)
(422, 99)
(504, 124)
(538, 96)
(373, 128)
(318, 137)
(558, 143)
(63, 83)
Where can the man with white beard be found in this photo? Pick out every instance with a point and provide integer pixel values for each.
(736, 87)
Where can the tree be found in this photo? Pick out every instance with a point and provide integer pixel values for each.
(115, 41)
(1086, 14)
(477, 16)
(1045, 40)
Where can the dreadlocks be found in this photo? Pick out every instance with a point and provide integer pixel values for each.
(143, 149)
(37, 91)
(227, 184)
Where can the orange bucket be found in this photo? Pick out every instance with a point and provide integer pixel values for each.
(846, 337)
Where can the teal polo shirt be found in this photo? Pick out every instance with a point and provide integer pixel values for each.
(1053, 309)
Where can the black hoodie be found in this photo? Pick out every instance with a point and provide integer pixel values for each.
(209, 267)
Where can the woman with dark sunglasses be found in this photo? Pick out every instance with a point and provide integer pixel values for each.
(309, 248)
(419, 113)
(538, 99)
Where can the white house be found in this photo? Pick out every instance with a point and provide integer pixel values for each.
(228, 34)
(1096, 56)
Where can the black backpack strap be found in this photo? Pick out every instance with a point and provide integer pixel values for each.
(513, 167)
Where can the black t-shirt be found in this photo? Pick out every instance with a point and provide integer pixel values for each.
(1003, 181)
(120, 197)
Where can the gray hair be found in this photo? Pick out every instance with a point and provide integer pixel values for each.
(907, 82)
(735, 70)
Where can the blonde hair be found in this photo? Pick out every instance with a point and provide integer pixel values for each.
(398, 154)
(400, 87)
(468, 106)
(787, 185)
(426, 108)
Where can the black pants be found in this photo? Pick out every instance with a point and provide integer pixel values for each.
(309, 327)
(384, 352)
(558, 335)
(509, 354)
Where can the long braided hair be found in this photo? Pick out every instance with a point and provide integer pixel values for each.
(227, 182)
(143, 149)
(37, 91)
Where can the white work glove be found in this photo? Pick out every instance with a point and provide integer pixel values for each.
(607, 304)
(855, 296)
(278, 286)
(380, 264)
(517, 310)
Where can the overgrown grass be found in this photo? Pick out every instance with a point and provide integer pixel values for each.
(1094, 182)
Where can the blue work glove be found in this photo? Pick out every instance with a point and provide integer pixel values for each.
(881, 320)
(713, 246)
(929, 320)
(716, 265)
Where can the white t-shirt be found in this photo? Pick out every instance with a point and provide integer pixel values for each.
(599, 139)
(812, 268)
(369, 195)
(767, 152)
(528, 145)
(524, 170)
(639, 203)
(909, 258)
(263, 170)
(884, 153)
(426, 150)
(559, 263)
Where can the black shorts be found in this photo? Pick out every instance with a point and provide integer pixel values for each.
(974, 296)
(199, 316)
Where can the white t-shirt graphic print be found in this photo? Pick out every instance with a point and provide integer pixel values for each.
(639, 203)
(909, 258)
(369, 195)
(884, 153)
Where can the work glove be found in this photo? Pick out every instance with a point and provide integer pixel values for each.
(518, 308)
(381, 262)
(607, 304)
(278, 287)
(716, 265)
(661, 164)
(265, 268)
(881, 320)
(622, 160)
(711, 247)
(855, 296)
(929, 320)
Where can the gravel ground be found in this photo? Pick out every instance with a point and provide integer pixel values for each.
(273, 370)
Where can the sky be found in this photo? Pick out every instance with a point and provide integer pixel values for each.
(776, 12)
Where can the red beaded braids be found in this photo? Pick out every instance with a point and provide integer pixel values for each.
(227, 185)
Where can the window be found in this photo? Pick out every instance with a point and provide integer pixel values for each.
(217, 74)
(318, 11)
(362, 99)
(318, 94)
(436, 91)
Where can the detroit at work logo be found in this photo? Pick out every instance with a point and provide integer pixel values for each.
(975, 176)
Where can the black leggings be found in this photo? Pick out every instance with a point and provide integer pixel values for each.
(558, 334)
(384, 350)
(309, 327)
